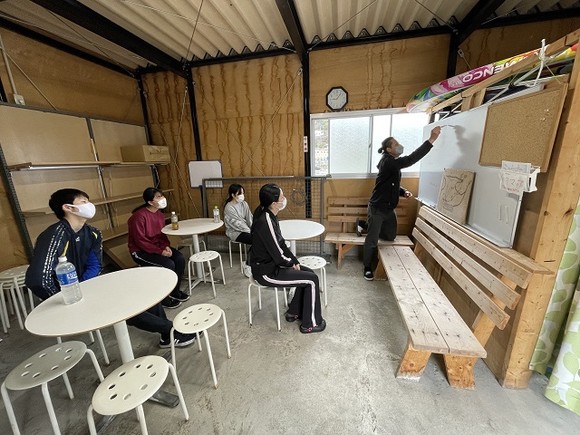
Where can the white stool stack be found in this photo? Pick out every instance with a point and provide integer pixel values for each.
(40, 369)
(204, 257)
(317, 263)
(254, 283)
(131, 385)
(197, 319)
(12, 281)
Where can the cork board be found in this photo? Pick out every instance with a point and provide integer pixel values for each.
(523, 129)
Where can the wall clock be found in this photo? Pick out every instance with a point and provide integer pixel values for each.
(336, 98)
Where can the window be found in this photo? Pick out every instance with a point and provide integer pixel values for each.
(346, 144)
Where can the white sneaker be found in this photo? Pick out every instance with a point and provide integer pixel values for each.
(247, 271)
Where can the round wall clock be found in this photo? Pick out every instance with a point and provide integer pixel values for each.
(336, 98)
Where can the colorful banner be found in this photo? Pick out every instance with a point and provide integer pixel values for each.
(447, 88)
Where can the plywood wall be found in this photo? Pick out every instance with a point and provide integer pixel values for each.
(490, 45)
(378, 75)
(72, 85)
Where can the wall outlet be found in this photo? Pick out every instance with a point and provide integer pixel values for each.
(19, 99)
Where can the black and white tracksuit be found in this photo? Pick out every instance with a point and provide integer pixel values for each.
(271, 261)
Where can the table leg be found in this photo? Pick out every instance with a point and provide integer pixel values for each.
(293, 246)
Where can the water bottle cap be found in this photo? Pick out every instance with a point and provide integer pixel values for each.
(172, 212)
(62, 259)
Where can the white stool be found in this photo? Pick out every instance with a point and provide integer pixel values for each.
(254, 283)
(230, 242)
(131, 385)
(12, 280)
(204, 257)
(196, 319)
(313, 262)
(40, 369)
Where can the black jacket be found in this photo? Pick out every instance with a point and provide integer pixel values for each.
(269, 250)
(388, 185)
(83, 249)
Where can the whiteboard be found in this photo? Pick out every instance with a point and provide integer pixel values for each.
(200, 169)
(492, 213)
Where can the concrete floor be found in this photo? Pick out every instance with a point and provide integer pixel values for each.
(338, 382)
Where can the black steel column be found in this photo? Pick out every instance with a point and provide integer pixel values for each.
(143, 98)
(193, 109)
(2, 92)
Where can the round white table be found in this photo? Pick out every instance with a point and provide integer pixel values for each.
(193, 228)
(108, 299)
(299, 229)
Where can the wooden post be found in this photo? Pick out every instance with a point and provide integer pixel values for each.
(413, 363)
(460, 371)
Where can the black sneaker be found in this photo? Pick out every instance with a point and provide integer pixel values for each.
(317, 328)
(369, 275)
(291, 317)
(179, 340)
(179, 295)
(361, 226)
(169, 302)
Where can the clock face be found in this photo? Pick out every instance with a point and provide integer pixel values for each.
(336, 98)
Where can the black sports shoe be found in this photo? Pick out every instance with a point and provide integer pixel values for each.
(179, 295)
(169, 302)
(179, 340)
(317, 328)
(291, 317)
(369, 275)
(361, 226)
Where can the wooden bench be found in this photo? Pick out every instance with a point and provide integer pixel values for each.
(346, 211)
(490, 277)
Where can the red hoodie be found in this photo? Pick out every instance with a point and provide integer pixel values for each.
(145, 232)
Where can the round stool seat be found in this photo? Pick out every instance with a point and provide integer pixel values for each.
(197, 318)
(130, 385)
(312, 261)
(204, 256)
(45, 365)
(17, 272)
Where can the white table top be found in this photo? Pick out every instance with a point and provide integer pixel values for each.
(107, 299)
(298, 229)
(190, 227)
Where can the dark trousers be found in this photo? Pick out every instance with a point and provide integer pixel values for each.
(382, 222)
(152, 320)
(306, 300)
(176, 263)
(245, 238)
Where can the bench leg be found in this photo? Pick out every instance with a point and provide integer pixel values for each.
(413, 363)
(380, 274)
(340, 255)
(460, 371)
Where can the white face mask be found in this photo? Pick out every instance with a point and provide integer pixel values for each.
(284, 203)
(86, 211)
(240, 197)
(399, 150)
(162, 203)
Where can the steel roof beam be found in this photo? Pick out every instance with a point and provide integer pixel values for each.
(290, 16)
(87, 18)
(476, 16)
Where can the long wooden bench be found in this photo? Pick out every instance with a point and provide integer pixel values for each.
(490, 277)
(346, 210)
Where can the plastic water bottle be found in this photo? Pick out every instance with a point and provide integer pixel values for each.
(216, 214)
(174, 221)
(66, 275)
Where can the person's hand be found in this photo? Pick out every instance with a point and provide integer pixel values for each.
(167, 252)
(434, 134)
(408, 194)
(296, 266)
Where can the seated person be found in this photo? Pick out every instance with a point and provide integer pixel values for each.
(82, 246)
(150, 247)
(238, 218)
(274, 265)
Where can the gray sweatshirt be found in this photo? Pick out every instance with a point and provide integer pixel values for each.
(237, 218)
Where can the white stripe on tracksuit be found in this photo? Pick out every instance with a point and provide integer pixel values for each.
(273, 234)
(296, 283)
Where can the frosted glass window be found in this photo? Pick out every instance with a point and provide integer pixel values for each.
(381, 131)
(349, 151)
(408, 130)
(320, 147)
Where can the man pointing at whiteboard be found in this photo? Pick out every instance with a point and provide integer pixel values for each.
(382, 219)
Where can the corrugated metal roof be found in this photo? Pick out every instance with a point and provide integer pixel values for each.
(202, 30)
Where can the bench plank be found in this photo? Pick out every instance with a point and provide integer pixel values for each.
(423, 332)
(495, 285)
(346, 241)
(453, 329)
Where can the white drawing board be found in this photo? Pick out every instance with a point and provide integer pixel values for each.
(199, 170)
(493, 213)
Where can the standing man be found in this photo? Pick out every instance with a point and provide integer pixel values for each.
(382, 219)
